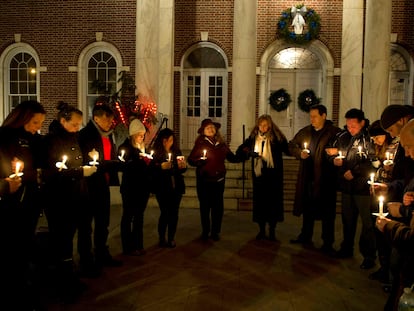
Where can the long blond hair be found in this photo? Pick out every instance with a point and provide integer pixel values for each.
(274, 131)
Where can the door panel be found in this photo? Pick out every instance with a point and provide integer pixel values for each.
(291, 120)
(205, 96)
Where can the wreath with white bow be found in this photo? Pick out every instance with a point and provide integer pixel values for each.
(279, 100)
(307, 99)
(299, 25)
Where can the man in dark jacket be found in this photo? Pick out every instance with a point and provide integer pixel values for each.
(353, 173)
(97, 145)
(315, 196)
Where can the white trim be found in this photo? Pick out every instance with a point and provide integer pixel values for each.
(5, 59)
(327, 63)
(83, 60)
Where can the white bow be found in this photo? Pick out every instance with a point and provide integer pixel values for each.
(298, 21)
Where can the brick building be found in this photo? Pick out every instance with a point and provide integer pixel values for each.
(208, 58)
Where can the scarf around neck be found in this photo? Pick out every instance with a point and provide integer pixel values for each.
(262, 147)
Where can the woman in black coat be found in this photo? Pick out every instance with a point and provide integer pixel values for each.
(266, 145)
(168, 167)
(66, 192)
(135, 189)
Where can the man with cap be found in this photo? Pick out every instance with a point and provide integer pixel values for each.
(393, 119)
(135, 188)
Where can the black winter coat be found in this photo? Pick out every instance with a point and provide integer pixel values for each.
(316, 176)
(89, 139)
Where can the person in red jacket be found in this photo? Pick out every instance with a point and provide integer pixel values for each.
(208, 156)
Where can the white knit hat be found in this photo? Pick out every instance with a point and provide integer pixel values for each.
(135, 127)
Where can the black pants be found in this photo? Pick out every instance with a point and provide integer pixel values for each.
(169, 204)
(210, 196)
(132, 221)
(97, 211)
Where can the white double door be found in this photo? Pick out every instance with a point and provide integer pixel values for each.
(291, 120)
(204, 95)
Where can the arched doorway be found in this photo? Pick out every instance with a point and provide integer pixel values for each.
(295, 69)
(204, 90)
(401, 80)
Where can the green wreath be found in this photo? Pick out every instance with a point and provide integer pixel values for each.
(307, 99)
(311, 28)
(279, 100)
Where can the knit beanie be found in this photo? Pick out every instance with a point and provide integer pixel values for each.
(136, 127)
(393, 113)
(376, 129)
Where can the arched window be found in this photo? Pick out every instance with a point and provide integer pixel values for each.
(204, 89)
(401, 81)
(99, 65)
(20, 78)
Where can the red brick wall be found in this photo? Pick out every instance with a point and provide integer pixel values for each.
(58, 30)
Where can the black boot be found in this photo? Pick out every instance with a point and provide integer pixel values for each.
(262, 232)
(272, 233)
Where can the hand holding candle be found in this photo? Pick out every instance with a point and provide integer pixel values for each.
(62, 165)
(305, 147)
(121, 157)
(388, 161)
(17, 167)
(95, 156)
(380, 213)
(204, 154)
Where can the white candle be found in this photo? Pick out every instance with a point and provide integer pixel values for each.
(17, 170)
(387, 155)
(64, 159)
(372, 179)
(359, 149)
(381, 206)
(305, 145)
(340, 154)
(169, 157)
(204, 153)
(151, 153)
(122, 153)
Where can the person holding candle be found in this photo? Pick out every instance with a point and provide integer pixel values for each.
(382, 173)
(168, 168)
(210, 175)
(353, 174)
(315, 196)
(265, 146)
(398, 230)
(20, 147)
(96, 139)
(66, 192)
(135, 189)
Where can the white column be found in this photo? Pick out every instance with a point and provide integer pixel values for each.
(351, 57)
(376, 58)
(154, 53)
(244, 69)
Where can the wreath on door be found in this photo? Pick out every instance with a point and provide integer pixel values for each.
(307, 99)
(279, 100)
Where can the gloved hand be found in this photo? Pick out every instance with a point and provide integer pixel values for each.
(89, 170)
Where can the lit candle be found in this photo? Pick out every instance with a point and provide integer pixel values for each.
(340, 154)
(121, 157)
(387, 155)
(204, 153)
(305, 145)
(372, 179)
(64, 159)
(17, 170)
(151, 153)
(95, 157)
(169, 157)
(359, 149)
(61, 165)
(381, 206)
